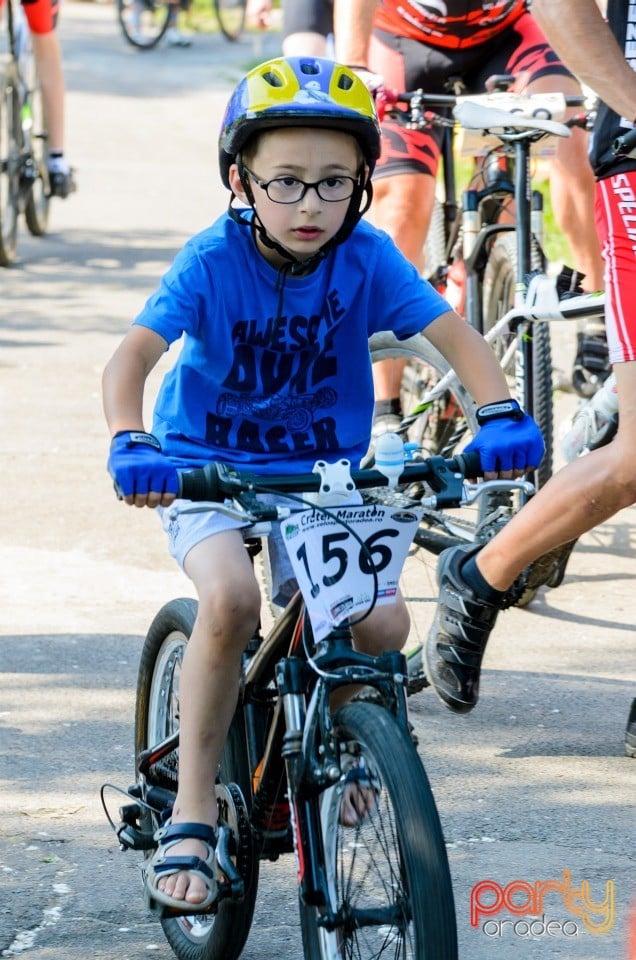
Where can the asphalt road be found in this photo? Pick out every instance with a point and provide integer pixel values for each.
(532, 784)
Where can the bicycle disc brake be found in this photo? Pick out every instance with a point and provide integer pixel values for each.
(234, 850)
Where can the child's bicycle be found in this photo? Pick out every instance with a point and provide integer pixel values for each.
(24, 179)
(383, 885)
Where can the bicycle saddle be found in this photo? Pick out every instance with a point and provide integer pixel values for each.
(477, 116)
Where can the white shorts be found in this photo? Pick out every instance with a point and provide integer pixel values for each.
(186, 530)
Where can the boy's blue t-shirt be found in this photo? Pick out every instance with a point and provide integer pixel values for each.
(275, 372)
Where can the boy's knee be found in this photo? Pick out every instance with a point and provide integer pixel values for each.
(228, 605)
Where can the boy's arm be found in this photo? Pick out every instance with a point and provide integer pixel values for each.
(125, 377)
(143, 476)
(584, 41)
(509, 442)
(352, 21)
(470, 356)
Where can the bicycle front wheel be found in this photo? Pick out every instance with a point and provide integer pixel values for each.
(388, 878)
(10, 143)
(36, 211)
(196, 937)
(231, 17)
(143, 22)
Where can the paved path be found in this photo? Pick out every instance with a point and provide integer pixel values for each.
(533, 783)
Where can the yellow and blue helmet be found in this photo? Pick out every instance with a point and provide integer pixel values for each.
(299, 92)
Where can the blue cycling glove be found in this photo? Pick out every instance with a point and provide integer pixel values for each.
(509, 439)
(138, 466)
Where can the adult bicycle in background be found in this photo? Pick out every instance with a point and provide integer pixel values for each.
(145, 22)
(372, 885)
(24, 177)
(491, 265)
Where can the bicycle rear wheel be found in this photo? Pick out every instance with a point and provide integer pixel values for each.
(10, 148)
(231, 17)
(143, 22)
(388, 876)
(196, 937)
(500, 278)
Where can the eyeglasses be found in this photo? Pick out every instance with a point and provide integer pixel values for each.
(291, 189)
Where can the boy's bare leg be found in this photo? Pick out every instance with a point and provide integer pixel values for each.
(229, 604)
(48, 57)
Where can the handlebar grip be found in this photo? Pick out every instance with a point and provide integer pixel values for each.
(469, 464)
(201, 484)
(625, 145)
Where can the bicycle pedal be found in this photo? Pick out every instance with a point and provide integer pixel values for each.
(546, 571)
(230, 882)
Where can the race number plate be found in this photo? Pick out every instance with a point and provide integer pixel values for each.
(334, 567)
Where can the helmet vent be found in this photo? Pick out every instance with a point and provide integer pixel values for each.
(273, 79)
(345, 82)
(308, 66)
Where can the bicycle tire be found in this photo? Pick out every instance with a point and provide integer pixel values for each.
(231, 17)
(199, 937)
(442, 430)
(435, 245)
(143, 22)
(499, 282)
(10, 149)
(36, 211)
(392, 863)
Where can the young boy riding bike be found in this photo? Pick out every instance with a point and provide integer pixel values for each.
(275, 302)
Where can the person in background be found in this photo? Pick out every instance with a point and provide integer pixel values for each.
(307, 25)
(411, 45)
(42, 19)
(474, 582)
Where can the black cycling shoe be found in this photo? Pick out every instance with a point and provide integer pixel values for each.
(630, 732)
(61, 184)
(459, 634)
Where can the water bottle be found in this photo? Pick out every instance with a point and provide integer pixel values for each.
(594, 423)
(389, 456)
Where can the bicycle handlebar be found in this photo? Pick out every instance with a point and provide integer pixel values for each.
(626, 145)
(392, 96)
(421, 108)
(218, 481)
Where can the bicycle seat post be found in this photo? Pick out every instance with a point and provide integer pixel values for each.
(523, 204)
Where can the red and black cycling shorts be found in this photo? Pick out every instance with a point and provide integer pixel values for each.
(406, 64)
(41, 14)
(615, 211)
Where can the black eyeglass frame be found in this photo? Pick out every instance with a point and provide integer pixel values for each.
(264, 185)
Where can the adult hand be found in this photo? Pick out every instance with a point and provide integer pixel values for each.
(143, 475)
(508, 448)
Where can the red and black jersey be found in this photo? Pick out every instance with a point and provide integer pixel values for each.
(448, 23)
